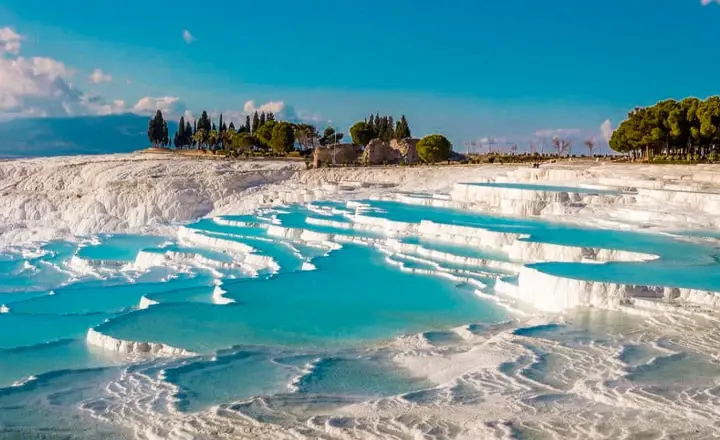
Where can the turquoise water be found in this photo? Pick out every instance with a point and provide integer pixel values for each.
(549, 188)
(317, 335)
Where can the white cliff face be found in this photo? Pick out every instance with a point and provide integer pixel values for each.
(87, 195)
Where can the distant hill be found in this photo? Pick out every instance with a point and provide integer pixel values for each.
(32, 137)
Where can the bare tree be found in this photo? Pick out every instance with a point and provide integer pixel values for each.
(490, 142)
(562, 146)
(590, 145)
(470, 145)
(543, 143)
(514, 148)
(533, 147)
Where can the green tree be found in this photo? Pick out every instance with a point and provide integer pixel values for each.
(157, 128)
(231, 127)
(243, 141)
(361, 133)
(265, 133)
(402, 129)
(199, 138)
(248, 124)
(188, 139)
(263, 119)
(330, 136)
(165, 135)
(434, 148)
(283, 137)
(255, 123)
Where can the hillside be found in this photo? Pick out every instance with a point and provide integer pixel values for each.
(33, 137)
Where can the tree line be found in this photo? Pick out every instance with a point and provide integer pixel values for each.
(379, 127)
(261, 131)
(687, 130)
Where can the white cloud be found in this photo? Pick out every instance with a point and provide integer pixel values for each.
(551, 132)
(40, 86)
(98, 76)
(171, 106)
(275, 107)
(606, 130)
(281, 111)
(9, 41)
(187, 36)
(707, 2)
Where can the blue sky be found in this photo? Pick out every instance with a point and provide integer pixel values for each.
(468, 69)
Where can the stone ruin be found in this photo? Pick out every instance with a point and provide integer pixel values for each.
(378, 152)
(345, 154)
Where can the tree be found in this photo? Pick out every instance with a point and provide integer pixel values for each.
(180, 136)
(199, 138)
(188, 139)
(330, 136)
(248, 124)
(157, 130)
(270, 117)
(490, 142)
(204, 122)
(361, 133)
(255, 123)
(402, 129)
(687, 130)
(306, 136)
(283, 137)
(231, 127)
(243, 141)
(590, 145)
(514, 148)
(265, 132)
(213, 139)
(434, 148)
(165, 141)
(562, 146)
(262, 119)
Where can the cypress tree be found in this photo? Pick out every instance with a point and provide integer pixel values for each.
(221, 125)
(187, 140)
(165, 134)
(213, 127)
(390, 128)
(402, 129)
(180, 133)
(151, 131)
(158, 128)
(263, 118)
(255, 123)
(231, 127)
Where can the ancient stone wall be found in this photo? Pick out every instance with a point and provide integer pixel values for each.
(345, 154)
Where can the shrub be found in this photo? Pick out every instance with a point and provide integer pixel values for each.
(434, 148)
(293, 154)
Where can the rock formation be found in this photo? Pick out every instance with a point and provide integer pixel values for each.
(378, 152)
(407, 148)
